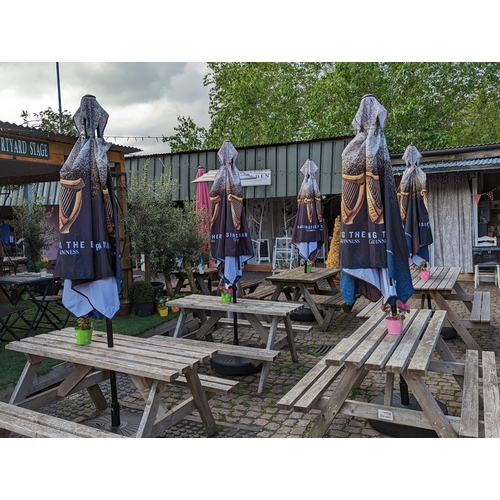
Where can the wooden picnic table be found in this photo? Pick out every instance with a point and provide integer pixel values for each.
(307, 285)
(443, 287)
(150, 364)
(370, 349)
(204, 281)
(253, 311)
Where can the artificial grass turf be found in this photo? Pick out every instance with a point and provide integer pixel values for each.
(12, 362)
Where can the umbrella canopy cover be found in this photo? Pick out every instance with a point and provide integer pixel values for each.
(373, 251)
(88, 257)
(412, 195)
(230, 240)
(309, 230)
(203, 202)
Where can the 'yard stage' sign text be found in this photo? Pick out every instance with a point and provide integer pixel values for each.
(24, 147)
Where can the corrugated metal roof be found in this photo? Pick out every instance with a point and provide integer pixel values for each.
(453, 166)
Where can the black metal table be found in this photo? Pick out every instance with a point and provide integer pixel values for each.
(37, 287)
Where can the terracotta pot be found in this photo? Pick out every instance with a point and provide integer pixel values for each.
(125, 308)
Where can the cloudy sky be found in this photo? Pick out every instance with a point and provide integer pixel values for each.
(142, 98)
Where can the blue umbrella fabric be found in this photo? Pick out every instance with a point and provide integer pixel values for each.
(88, 258)
(412, 195)
(230, 239)
(309, 230)
(373, 251)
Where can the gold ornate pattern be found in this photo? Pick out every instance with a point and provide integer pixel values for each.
(70, 203)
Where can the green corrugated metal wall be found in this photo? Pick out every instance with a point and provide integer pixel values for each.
(284, 161)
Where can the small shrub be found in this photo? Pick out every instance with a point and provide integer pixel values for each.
(140, 292)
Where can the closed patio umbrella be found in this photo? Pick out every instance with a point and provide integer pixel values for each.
(203, 200)
(231, 243)
(373, 251)
(309, 230)
(412, 195)
(88, 259)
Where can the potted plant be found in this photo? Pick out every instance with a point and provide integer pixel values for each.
(161, 305)
(83, 330)
(142, 296)
(395, 316)
(125, 307)
(41, 266)
(226, 293)
(423, 268)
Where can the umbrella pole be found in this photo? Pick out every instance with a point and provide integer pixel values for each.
(235, 319)
(115, 406)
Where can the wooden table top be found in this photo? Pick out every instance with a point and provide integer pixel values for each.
(297, 275)
(131, 355)
(250, 306)
(442, 278)
(372, 347)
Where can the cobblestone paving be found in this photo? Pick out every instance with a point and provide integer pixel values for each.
(244, 413)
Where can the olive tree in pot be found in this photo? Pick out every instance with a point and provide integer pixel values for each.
(149, 218)
(189, 239)
(142, 296)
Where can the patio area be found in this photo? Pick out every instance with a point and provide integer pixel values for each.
(244, 413)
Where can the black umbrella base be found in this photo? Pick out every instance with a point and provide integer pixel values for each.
(403, 431)
(129, 423)
(302, 315)
(448, 333)
(233, 365)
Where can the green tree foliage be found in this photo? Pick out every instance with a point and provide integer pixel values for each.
(51, 121)
(29, 220)
(430, 104)
(188, 137)
(150, 218)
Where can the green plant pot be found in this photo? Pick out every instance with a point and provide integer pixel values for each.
(83, 337)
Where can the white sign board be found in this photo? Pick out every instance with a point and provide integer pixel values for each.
(250, 178)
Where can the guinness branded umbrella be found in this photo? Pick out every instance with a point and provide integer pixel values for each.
(373, 250)
(88, 258)
(309, 231)
(230, 240)
(412, 194)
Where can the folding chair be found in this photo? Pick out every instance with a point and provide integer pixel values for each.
(8, 311)
(52, 296)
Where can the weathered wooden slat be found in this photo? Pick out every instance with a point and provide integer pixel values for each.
(281, 326)
(368, 310)
(469, 419)
(423, 353)
(491, 396)
(347, 345)
(401, 356)
(228, 349)
(34, 424)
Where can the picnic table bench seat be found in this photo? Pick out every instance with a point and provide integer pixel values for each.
(480, 308)
(304, 395)
(281, 326)
(475, 378)
(253, 353)
(34, 424)
(266, 291)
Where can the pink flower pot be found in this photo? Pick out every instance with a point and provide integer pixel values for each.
(425, 275)
(394, 326)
